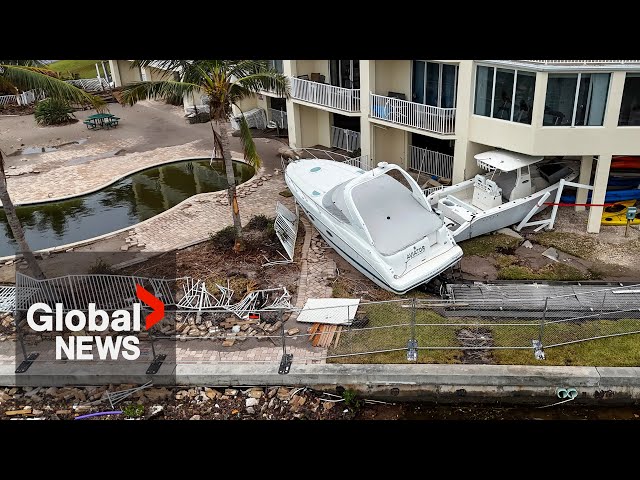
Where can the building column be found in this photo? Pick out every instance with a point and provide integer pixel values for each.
(464, 109)
(367, 85)
(115, 73)
(599, 192)
(586, 166)
(289, 68)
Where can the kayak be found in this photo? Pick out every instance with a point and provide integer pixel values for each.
(629, 162)
(617, 214)
(612, 196)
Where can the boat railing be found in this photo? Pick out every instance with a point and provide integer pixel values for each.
(430, 190)
(316, 153)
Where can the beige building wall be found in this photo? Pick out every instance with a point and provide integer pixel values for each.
(392, 76)
(390, 145)
(127, 73)
(307, 67)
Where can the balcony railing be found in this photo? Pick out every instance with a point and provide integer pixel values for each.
(278, 116)
(430, 162)
(345, 99)
(411, 114)
(345, 139)
(580, 62)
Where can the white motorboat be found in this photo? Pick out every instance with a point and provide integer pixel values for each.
(379, 221)
(504, 196)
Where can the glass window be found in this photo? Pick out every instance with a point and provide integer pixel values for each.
(503, 93)
(418, 81)
(433, 80)
(561, 93)
(576, 99)
(448, 96)
(523, 102)
(630, 109)
(592, 98)
(484, 90)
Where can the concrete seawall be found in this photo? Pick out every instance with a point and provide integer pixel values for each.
(443, 383)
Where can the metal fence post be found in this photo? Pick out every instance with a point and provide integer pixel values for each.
(412, 344)
(538, 350)
(287, 358)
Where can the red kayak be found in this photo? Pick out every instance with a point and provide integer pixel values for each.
(626, 162)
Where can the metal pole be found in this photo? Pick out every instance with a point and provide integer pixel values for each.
(17, 321)
(284, 347)
(544, 316)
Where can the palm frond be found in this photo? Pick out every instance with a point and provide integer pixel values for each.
(161, 89)
(248, 145)
(264, 80)
(36, 78)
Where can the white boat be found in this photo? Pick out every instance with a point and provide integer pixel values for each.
(502, 197)
(379, 221)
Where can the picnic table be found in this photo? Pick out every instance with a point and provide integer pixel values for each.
(101, 120)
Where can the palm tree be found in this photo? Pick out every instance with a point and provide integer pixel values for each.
(29, 75)
(224, 83)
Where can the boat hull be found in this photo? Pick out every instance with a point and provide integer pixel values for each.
(363, 256)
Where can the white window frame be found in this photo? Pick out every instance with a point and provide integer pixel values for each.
(575, 99)
(493, 90)
(424, 86)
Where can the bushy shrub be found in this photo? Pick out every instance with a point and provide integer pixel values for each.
(225, 238)
(53, 112)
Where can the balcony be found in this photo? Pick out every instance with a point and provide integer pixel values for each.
(430, 162)
(343, 99)
(345, 139)
(416, 115)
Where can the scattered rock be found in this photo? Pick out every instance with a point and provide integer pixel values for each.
(527, 244)
(251, 402)
(212, 393)
(283, 393)
(256, 393)
(195, 417)
(232, 392)
(251, 410)
(328, 405)
(510, 232)
(551, 253)
(293, 331)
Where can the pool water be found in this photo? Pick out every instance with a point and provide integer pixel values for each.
(126, 202)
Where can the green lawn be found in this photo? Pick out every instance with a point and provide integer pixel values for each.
(388, 328)
(85, 68)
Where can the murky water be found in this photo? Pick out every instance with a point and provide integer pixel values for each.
(125, 203)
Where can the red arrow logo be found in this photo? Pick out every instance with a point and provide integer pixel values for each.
(154, 302)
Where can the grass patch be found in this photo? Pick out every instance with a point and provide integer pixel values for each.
(622, 351)
(84, 68)
(225, 238)
(553, 271)
(387, 327)
(581, 246)
(486, 245)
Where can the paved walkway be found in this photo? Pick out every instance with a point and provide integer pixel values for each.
(79, 178)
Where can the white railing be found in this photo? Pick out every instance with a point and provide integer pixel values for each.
(278, 116)
(430, 190)
(24, 98)
(345, 99)
(90, 84)
(362, 162)
(546, 62)
(345, 139)
(430, 162)
(411, 114)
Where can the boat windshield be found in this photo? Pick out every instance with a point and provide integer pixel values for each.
(334, 202)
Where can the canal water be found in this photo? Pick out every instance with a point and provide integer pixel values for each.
(128, 201)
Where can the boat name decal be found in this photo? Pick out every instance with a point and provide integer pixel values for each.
(416, 251)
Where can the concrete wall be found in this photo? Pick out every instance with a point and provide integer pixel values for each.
(390, 145)
(392, 75)
(156, 74)
(315, 127)
(128, 74)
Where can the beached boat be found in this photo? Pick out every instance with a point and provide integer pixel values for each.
(502, 197)
(379, 221)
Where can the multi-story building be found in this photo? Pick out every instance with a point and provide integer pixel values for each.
(435, 115)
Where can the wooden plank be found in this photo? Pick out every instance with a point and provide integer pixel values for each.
(312, 331)
(335, 344)
(316, 338)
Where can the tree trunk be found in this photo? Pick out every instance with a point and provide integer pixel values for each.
(231, 191)
(16, 226)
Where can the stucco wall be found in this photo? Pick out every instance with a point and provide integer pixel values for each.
(394, 76)
(390, 145)
(128, 74)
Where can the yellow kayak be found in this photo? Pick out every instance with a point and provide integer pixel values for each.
(617, 214)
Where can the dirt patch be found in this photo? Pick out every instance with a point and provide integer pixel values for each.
(17, 109)
(472, 340)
